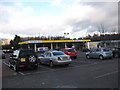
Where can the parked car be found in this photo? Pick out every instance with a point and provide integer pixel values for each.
(71, 52)
(23, 58)
(52, 58)
(116, 51)
(100, 53)
(2, 54)
(42, 49)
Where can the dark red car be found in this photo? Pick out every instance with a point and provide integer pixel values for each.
(71, 52)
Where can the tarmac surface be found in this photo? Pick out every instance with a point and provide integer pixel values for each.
(82, 73)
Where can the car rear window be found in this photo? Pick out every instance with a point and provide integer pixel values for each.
(58, 53)
(27, 52)
(105, 49)
(71, 50)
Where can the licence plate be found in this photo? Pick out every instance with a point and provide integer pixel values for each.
(23, 59)
(65, 57)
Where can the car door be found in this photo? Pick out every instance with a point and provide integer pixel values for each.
(92, 54)
(48, 58)
(97, 53)
(43, 58)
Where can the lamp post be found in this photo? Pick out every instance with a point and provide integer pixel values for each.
(66, 34)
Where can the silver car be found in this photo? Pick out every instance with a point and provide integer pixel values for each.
(100, 53)
(52, 58)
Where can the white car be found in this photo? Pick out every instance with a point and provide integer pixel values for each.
(52, 58)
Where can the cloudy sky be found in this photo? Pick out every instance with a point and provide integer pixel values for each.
(56, 17)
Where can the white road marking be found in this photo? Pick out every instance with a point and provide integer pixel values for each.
(53, 70)
(58, 69)
(46, 67)
(5, 63)
(35, 72)
(21, 73)
(106, 74)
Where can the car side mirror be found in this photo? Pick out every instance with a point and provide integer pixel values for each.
(12, 55)
(42, 55)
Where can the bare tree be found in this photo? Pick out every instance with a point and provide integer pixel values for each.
(101, 29)
(113, 31)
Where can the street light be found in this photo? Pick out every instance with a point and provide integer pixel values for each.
(66, 34)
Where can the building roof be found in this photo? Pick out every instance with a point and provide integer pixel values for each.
(52, 41)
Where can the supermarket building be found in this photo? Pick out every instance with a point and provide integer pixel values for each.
(53, 44)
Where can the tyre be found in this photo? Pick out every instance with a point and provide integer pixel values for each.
(9, 64)
(32, 58)
(87, 56)
(35, 67)
(110, 58)
(101, 57)
(51, 64)
(15, 67)
(75, 57)
(40, 62)
(116, 55)
(66, 64)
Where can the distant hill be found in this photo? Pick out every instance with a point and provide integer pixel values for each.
(4, 41)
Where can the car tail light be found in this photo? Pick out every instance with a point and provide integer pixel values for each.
(104, 50)
(59, 58)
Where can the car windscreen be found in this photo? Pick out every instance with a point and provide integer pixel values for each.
(71, 50)
(58, 53)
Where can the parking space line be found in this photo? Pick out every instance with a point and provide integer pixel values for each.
(5, 63)
(100, 76)
(21, 73)
(46, 67)
(57, 69)
(35, 72)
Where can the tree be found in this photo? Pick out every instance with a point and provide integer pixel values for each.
(101, 29)
(15, 42)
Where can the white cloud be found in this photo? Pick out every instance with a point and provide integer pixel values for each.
(56, 2)
(17, 19)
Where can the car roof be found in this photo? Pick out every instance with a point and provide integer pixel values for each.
(23, 49)
(68, 48)
(55, 51)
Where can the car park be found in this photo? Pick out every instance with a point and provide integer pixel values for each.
(23, 58)
(2, 54)
(100, 53)
(52, 58)
(71, 52)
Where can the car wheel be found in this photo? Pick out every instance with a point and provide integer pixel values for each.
(9, 64)
(15, 68)
(40, 62)
(32, 58)
(75, 57)
(116, 55)
(101, 57)
(51, 64)
(35, 67)
(87, 56)
(66, 64)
